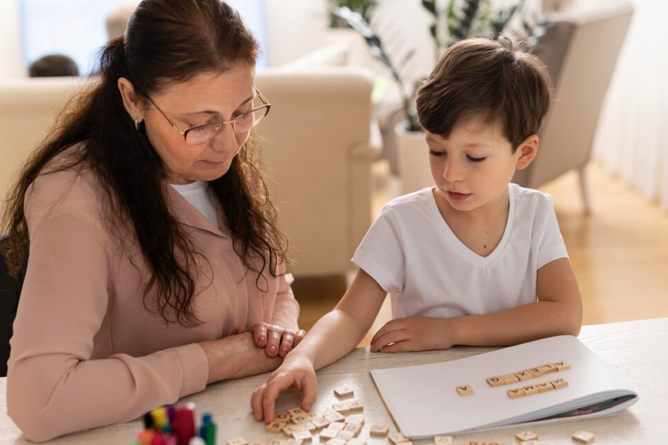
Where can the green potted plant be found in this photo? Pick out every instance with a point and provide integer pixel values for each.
(361, 7)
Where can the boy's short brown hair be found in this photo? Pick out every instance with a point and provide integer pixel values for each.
(481, 76)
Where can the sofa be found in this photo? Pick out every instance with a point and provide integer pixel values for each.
(320, 142)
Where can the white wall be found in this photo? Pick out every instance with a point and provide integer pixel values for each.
(11, 56)
(294, 28)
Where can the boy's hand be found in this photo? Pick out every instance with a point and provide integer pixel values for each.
(412, 334)
(297, 370)
(276, 340)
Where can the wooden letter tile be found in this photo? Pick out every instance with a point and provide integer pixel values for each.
(274, 427)
(465, 390)
(341, 408)
(529, 390)
(443, 440)
(379, 430)
(526, 435)
(303, 435)
(282, 417)
(356, 441)
(524, 375)
(559, 383)
(584, 437)
(338, 426)
(237, 441)
(495, 381)
(510, 378)
(355, 406)
(355, 419)
(515, 393)
(397, 438)
(549, 368)
(345, 435)
(336, 417)
(296, 412)
(336, 441)
(544, 387)
(354, 428)
(299, 418)
(328, 433)
(344, 391)
(536, 372)
(562, 366)
(321, 422)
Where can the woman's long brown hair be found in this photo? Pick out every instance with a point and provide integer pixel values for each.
(166, 42)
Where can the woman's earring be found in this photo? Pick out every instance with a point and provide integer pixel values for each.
(137, 124)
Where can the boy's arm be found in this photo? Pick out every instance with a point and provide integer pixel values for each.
(558, 311)
(332, 337)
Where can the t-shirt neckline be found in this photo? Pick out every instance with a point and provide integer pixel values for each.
(463, 250)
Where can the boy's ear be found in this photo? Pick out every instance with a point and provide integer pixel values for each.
(526, 152)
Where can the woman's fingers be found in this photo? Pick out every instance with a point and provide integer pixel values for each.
(286, 343)
(260, 334)
(299, 336)
(273, 340)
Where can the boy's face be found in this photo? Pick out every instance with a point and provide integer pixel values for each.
(473, 166)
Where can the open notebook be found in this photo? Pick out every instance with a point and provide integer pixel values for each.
(424, 402)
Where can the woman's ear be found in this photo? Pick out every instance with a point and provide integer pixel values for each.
(526, 152)
(130, 101)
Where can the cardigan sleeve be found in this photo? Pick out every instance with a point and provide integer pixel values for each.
(286, 310)
(53, 385)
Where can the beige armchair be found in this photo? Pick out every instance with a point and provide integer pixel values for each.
(320, 142)
(580, 51)
(28, 108)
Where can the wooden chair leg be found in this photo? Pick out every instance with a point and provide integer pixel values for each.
(584, 189)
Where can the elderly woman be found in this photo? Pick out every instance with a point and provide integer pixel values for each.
(144, 225)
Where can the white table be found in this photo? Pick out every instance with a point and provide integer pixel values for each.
(637, 350)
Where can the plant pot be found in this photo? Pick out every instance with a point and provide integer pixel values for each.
(412, 159)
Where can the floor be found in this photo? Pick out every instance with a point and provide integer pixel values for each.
(619, 253)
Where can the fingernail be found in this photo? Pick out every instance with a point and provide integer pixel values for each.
(284, 351)
(263, 338)
(272, 349)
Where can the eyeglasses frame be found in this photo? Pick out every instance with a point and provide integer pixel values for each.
(184, 133)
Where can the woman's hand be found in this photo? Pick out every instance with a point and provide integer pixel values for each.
(276, 341)
(297, 370)
(413, 334)
(236, 356)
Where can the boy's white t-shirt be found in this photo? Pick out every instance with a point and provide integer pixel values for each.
(197, 194)
(413, 254)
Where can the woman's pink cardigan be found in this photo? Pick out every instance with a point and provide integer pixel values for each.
(86, 352)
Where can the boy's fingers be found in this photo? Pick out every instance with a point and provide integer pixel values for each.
(309, 388)
(256, 402)
(387, 339)
(273, 388)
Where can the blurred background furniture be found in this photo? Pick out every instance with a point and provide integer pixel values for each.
(28, 107)
(580, 51)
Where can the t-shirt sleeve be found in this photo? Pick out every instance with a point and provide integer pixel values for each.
(381, 254)
(551, 245)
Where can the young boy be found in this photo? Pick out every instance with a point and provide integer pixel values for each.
(472, 261)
